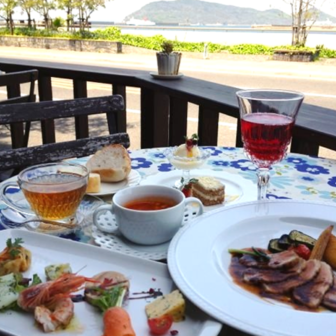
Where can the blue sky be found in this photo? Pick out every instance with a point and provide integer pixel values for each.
(116, 10)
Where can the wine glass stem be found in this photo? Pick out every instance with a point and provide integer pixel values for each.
(186, 176)
(263, 179)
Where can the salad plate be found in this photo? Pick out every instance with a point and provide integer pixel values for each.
(241, 226)
(237, 188)
(89, 260)
(107, 235)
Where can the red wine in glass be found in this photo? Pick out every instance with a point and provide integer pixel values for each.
(266, 137)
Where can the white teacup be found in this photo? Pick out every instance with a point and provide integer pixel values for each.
(148, 227)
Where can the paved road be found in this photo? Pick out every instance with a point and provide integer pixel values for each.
(316, 80)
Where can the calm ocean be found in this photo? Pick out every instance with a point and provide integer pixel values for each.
(227, 35)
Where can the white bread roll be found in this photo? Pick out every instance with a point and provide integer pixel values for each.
(112, 163)
(93, 183)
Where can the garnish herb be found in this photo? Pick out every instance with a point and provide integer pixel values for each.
(14, 248)
(254, 252)
(36, 280)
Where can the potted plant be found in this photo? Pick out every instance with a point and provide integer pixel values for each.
(168, 60)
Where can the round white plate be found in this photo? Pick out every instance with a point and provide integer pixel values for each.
(109, 237)
(157, 76)
(198, 261)
(133, 179)
(237, 188)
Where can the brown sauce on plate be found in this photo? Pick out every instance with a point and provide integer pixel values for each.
(236, 271)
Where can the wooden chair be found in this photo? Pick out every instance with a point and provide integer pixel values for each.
(41, 111)
(13, 81)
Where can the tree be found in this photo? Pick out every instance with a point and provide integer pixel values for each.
(43, 7)
(304, 15)
(7, 8)
(68, 6)
(27, 6)
(85, 10)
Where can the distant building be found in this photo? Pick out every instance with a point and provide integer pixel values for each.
(137, 22)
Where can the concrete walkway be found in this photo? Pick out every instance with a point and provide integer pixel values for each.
(223, 62)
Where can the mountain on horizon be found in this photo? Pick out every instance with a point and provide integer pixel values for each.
(202, 12)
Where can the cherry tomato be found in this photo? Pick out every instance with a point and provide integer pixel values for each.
(160, 325)
(186, 191)
(302, 251)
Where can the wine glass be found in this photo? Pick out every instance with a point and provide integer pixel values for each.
(267, 119)
(186, 163)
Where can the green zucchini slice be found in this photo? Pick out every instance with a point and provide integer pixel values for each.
(299, 237)
(274, 247)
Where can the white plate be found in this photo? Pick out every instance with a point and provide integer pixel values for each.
(108, 236)
(90, 260)
(204, 245)
(237, 188)
(157, 76)
(133, 179)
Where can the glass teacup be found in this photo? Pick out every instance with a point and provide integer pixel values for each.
(53, 191)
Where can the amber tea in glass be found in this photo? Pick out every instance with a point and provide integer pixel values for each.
(54, 190)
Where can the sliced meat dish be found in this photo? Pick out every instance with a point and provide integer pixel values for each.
(311, 293)
(310, 270)
(329, 299)
(284, 259)
(255, 275)
(280, 260)
(252, 261)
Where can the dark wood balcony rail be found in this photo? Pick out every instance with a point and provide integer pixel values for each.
(164, 105)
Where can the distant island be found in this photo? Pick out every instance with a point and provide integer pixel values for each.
(205, 13)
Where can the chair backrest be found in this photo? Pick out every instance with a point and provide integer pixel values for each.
(41, 111)
(13, 81)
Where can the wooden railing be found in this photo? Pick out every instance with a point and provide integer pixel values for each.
(164, 105)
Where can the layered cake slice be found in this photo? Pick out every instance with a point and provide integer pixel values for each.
(208, 190)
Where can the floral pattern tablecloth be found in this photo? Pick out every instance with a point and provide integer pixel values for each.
(297, 177)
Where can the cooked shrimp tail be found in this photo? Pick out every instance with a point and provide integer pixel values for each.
(57, 316)
(50, 292)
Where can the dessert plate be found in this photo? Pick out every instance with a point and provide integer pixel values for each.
(195, 250)
(89, 260)
(107, 235)
(237, 188)
(157, 76)
(111, 188)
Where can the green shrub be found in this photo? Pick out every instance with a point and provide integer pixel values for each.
(155, 42)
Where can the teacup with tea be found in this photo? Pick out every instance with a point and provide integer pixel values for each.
(148, 214)
(53, 191)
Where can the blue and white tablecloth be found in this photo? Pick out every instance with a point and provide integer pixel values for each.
(297, 177)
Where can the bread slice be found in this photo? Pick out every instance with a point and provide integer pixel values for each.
(112, 163)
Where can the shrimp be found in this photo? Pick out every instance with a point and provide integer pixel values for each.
(57, 316)
(48, 293)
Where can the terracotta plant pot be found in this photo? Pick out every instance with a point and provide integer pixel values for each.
(168, 64)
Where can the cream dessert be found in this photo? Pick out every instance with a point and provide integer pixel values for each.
(188, 155)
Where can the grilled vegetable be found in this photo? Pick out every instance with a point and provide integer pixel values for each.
(284, 242)
(299, 237)
(274, 247)
(321, 244)
(330, 252)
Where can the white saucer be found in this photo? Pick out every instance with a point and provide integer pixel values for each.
(157, 76)
(237, 188)
(109, 237)
(133, 179)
